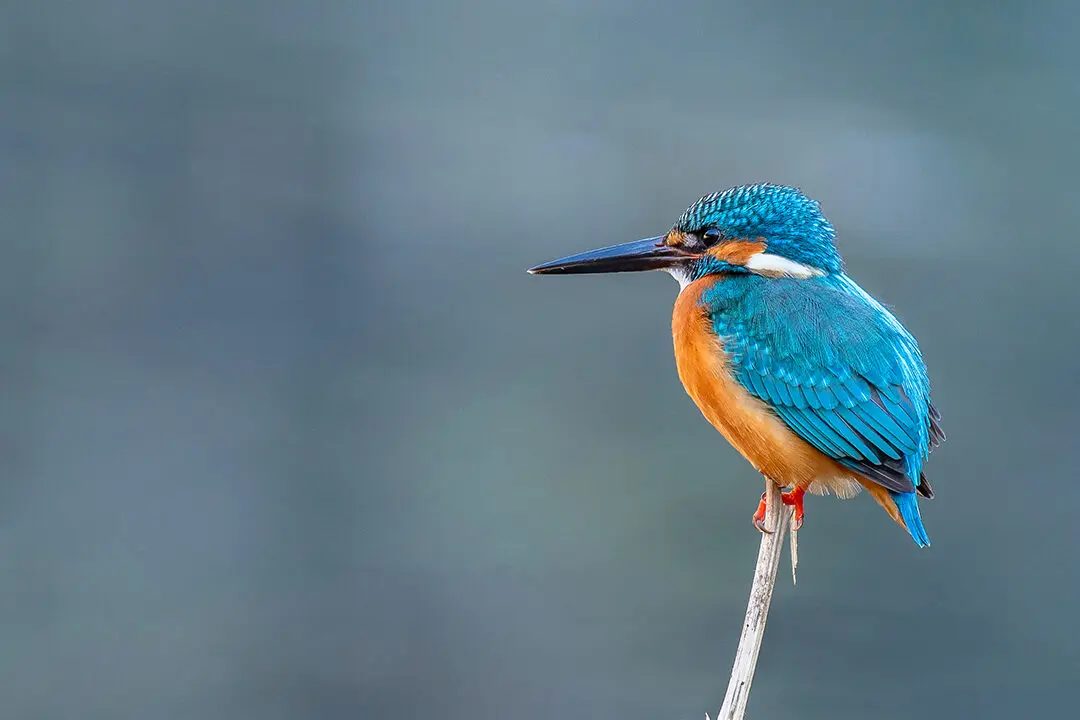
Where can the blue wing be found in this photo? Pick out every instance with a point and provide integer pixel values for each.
(836, 367)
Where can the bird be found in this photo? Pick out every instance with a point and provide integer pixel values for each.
(806, 375)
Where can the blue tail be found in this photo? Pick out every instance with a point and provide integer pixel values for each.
(909, 510)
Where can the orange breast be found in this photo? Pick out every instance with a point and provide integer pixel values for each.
(746, 422)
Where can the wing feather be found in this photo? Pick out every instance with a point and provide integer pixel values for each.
(835, 367)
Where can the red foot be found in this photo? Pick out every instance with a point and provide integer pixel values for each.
(795, 497)
(759, 516)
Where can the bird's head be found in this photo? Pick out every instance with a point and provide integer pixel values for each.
(769, 230)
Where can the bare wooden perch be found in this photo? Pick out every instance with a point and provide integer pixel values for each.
(757, 609)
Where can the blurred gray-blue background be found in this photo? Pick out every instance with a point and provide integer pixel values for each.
(288, 432)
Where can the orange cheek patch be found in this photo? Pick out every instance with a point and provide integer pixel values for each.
(737, 252)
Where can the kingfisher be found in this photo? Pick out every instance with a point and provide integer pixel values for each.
(804, 373)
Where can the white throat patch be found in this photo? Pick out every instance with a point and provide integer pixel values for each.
(680, 275)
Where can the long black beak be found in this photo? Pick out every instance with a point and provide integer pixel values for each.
(647, 254)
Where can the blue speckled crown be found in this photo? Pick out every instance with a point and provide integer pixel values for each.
(790, 222)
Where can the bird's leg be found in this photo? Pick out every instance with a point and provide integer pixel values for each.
(759, 516)
(795, 497)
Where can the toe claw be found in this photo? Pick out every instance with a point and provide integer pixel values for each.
(759, 517)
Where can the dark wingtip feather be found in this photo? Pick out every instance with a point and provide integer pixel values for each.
(937, 435)
(890, 474)
(934, 412)
(923, 488)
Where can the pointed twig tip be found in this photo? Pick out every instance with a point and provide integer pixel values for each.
(794, 553)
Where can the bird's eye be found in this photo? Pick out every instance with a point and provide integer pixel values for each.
(711, 236)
